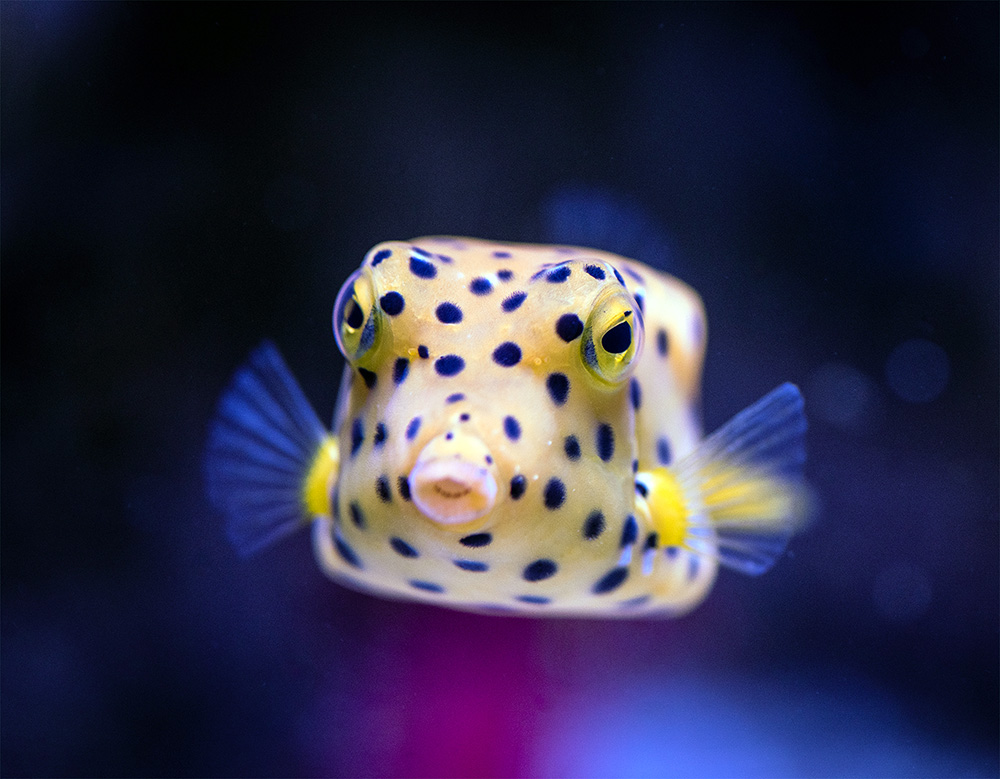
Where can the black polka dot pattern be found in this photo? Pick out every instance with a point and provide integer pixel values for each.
(630, 532)
(403, 485)
(596, 271)
(449, 365)
(357, 436)
(399, 370)
(472, 565)
(392, 303)
(534, 600)
(507, 354)
(418, 584)
(512, 428)
(663, 453)
(662, 342)
(347, 554)
(594, 525)
(635, 393)
(448, 313)
(382, 488)
(505, 275)
(380, 434)
(605, 442)
(572, 447)
(369, 378)
(539, 570)
(513, 302)
(422, 351)
(402, 548)
(380, 255)
(476, 540)
(357, 515)
(422, 269)
(569, 327)
(555, 493)
(558, 386)
(612, 580)
(413, 428)
(517, 486)
(480, 286)
(454, 397)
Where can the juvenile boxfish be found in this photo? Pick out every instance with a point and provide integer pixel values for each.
(517, 431)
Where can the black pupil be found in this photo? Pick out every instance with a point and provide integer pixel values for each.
(355, 317)
(618, 339)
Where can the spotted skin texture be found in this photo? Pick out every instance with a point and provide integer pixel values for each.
(479, 339)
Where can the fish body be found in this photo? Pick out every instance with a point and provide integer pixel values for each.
(517, 431)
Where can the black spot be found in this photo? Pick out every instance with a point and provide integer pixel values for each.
(635, 276)
(555, 493)
(422, 351)
(422, 268)
(635, 466)
(512, 302)
(449, 313)
(403, 548)
(572, 447)
(421, 252)
(413, 428)
(357, 516)
(693, 566)
(381, 255)
(476, 539)
(507, 354)
(444, 258)
(641, 489)
(369, 377)
(383, 489)
(558, 387)
(612, 580)
(517, 486)
(349, 555)
(593, 526)
(392, 303)
(463, 417)
(380, 434)
(501, 255)
(449, 365)
(355, 317)
(605, 442)
(672, 551)
(534, 600)
(630, 531)
(454, 397)
(400, 369)
(357, 436)
(489, 460)
(426, 586)
(569, 327)
(596, 271)
(652, 541)
(471, 565)
(662, 342)
(540, 569)
(480, 286)
(618, 339)
(558, 275)
(512, 428)
(505, 275)
(640, 301)
(403, 485)
(635, 393)
(619, 277)
(663, 453)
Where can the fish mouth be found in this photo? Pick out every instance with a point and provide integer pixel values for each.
(453, 480)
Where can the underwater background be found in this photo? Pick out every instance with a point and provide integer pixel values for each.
(180, 181)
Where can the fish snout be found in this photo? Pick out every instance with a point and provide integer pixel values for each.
(454, 479)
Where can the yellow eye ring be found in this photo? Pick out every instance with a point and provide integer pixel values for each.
(613, 337)
(356, 320)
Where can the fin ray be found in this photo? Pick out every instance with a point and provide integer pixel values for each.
(262, 443)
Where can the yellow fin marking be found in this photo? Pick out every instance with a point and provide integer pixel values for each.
(317, 486)
(667, 507)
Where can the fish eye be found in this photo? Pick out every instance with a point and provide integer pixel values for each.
(355, 316)
(613, 336)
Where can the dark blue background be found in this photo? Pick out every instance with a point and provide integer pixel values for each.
(179, 181)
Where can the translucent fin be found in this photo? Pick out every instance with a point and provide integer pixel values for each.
(744, 484)
(261, 449)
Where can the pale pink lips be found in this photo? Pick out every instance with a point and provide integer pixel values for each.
(453, 480)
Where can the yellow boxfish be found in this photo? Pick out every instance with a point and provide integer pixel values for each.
(517, 431)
